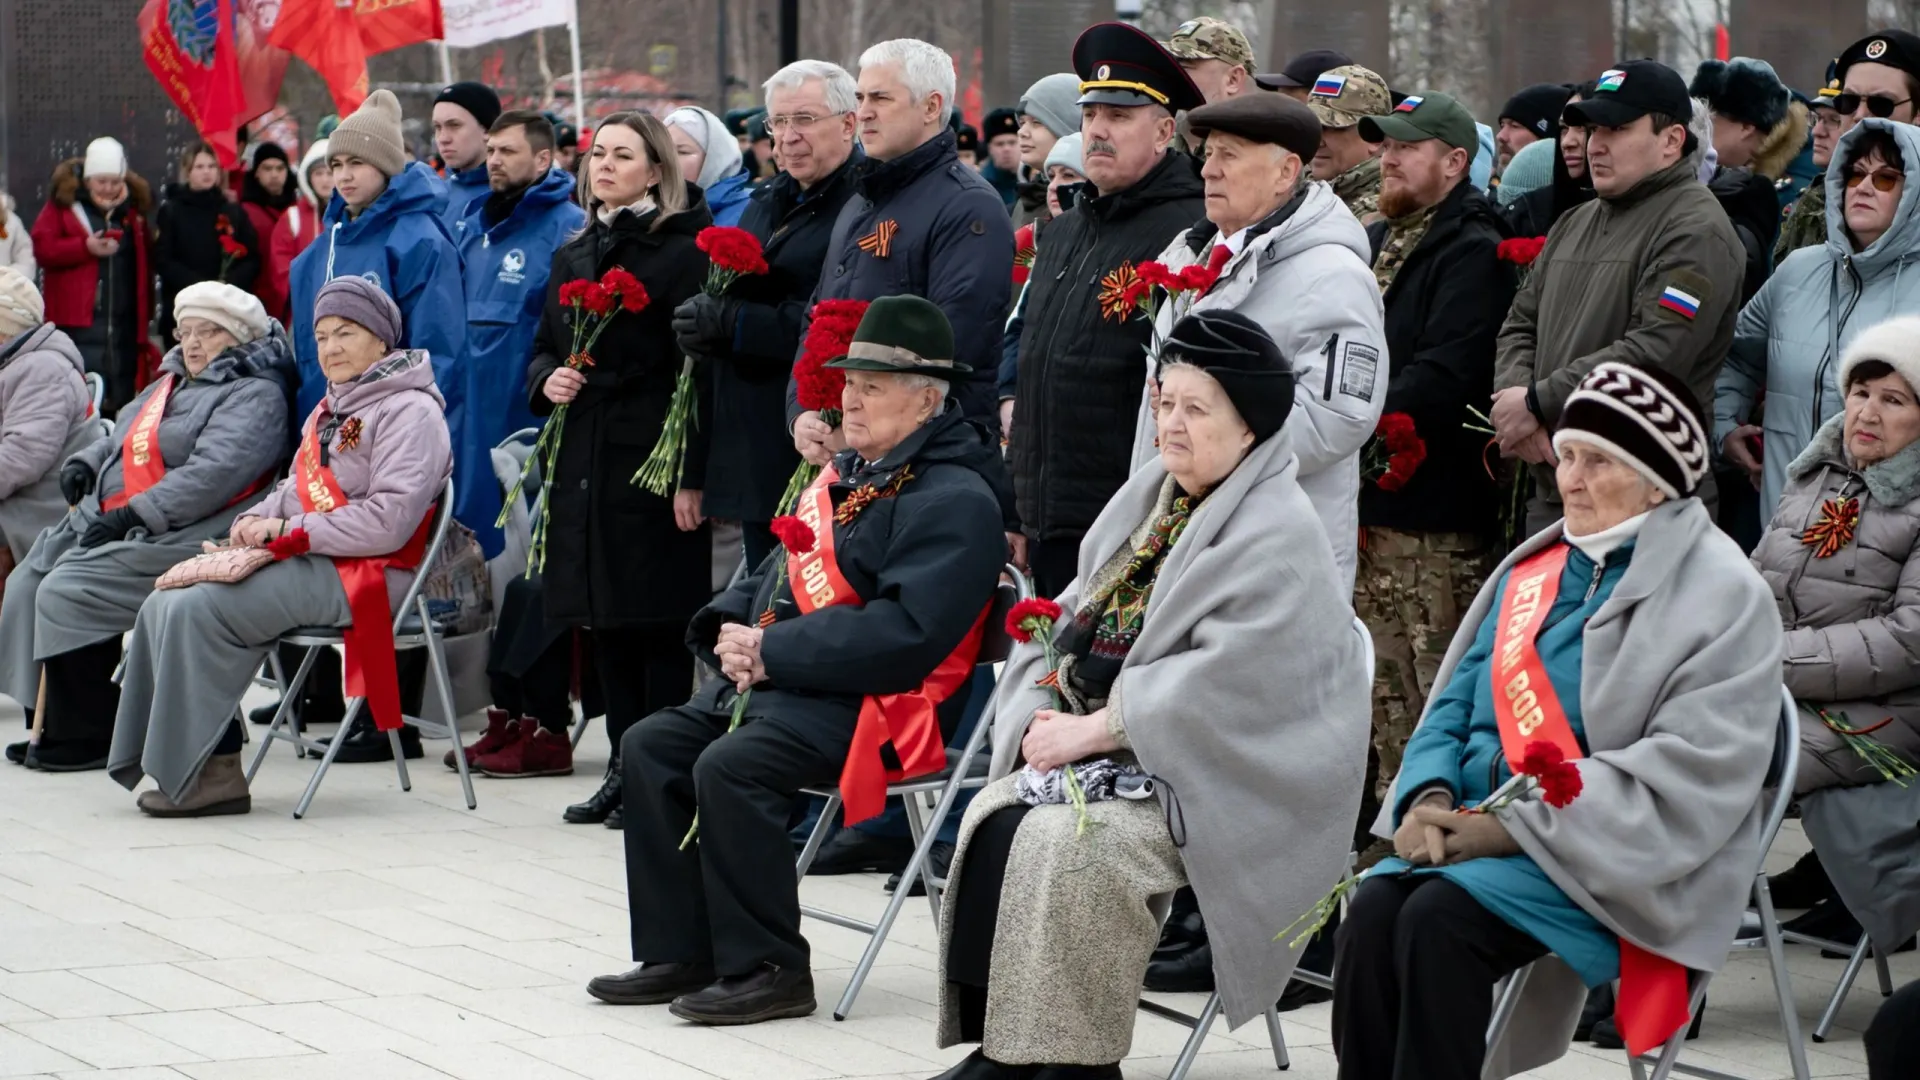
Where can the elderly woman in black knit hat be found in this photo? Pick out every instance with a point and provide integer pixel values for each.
(1634, 638)
(1165, 712)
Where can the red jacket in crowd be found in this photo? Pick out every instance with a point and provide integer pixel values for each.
(266, 221)
(72, 273)
(298, 227)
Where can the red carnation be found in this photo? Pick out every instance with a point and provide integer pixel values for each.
(794, 535)
(233, 248)
(732, 249)
(624, 287)
(1156, 273)
(818, 387)
(1197, 278)
(597, 299)
(288, 545)
(222, 226)
(1559, 778)
(1030, 617)
(1521, 250)
(573, 292)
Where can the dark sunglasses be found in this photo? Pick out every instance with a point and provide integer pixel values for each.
(1884, 180)
(1848, 103)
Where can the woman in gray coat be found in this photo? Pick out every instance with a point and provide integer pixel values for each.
(1196, 770)
(190, 447)
(347, 527)
(1840, 558)
(45, 416)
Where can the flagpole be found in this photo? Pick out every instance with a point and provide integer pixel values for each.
(446, 63)
(579, 90)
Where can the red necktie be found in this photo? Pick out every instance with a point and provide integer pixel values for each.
(1221, 253)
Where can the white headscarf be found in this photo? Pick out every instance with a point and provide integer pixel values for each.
(723, 150)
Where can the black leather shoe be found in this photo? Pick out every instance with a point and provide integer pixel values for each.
(17, 752)
(1299, 995)
(1802, 886)
(601, 803)
(309, 712)
(651, 984)
(1189, 973)
(1078, 1072)
(51, 756)
(939, 859)
(766, 993)
(1607, 1037)
(616, 820)
(366, 743)
(851, 851)
(978, 1066)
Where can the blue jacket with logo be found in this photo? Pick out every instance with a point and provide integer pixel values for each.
(462, 189)
(507, 267)
(401, 244)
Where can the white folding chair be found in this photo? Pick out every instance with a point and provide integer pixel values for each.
(1781, 771)
(1191, 1051)
(414, 627)
(966, 768)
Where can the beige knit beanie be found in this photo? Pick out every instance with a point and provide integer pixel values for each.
(20, 306)
(372, 134)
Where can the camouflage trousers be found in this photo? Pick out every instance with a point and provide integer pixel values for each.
(1411, 590)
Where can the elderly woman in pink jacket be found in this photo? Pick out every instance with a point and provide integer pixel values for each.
(346, 528)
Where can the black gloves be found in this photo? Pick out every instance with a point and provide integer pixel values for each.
(705, 323)
(110, 526)
(76, 481)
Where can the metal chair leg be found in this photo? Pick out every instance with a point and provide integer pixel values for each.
(1503, 1008)
(1670, 1051)
(399, 760)
(580, 729)
(437, 663)
(1279, 1040)
(281, 714)
(333, 751)
(1191, 1050)
(816, 838)
(915, 866)
(1880, 969)
(917, 826)
(1782, 981)
(1850, 973)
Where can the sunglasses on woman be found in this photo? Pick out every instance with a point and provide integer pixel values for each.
(1848, 103)
(1884, 180)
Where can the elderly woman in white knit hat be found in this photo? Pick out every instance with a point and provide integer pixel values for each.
(1634, 640)
(711, 158)
(212, 429)
(1838, 554)
(45, 416)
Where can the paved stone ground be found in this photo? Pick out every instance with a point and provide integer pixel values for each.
(394, 935)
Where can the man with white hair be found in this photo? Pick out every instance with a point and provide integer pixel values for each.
(922, 224)
(753, 332)
(1081, 347)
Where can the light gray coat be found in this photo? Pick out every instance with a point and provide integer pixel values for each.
(1680, 691)
(1791, 335)
(44, 418)
(1853, 618)
(1247, 694)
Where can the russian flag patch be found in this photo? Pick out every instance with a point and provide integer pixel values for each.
(1328, 86)
(1680, 301)
(1409, 104)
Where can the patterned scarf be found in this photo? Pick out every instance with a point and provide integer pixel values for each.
(1403, 236)
(1108, 622)
(1359, 188)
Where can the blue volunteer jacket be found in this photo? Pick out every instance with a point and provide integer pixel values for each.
(729, 196)
(400, 244)
(507, 270)
(462, 189)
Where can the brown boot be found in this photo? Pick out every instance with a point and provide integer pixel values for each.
(221, 789)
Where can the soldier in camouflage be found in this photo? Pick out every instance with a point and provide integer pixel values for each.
(1806, 224)
(1341, 98)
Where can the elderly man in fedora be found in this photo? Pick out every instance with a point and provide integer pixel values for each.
(883, 592)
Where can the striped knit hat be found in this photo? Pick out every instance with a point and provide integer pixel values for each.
(1643, 416)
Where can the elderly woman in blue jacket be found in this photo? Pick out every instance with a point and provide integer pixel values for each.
(1635, 638)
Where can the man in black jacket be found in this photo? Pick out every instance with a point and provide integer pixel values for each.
(752, 333)
(1082, 353)
(919, 223)
(1427, 544)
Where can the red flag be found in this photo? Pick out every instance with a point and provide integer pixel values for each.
(391, 24)
(262, 67)
(325, 34)
(189, 46)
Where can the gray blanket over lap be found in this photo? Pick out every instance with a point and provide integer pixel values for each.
(1247, 693)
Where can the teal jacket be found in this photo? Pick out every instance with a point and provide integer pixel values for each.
(1457, 747)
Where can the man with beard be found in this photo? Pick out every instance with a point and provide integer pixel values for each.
(463, 114)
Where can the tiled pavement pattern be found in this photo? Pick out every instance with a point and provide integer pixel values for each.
(401, 937)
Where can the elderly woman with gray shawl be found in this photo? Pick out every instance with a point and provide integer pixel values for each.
(1216, 717)
(346, 529)
(191, 446)
(1635, 641)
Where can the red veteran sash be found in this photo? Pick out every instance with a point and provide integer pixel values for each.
(909, 721)
(140, 464)
(1653, 989)
(371, 671)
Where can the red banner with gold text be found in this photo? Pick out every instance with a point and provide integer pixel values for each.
(189, 46)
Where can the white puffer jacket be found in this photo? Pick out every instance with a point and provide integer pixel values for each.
(1308, 281)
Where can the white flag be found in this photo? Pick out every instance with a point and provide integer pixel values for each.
(476, 22)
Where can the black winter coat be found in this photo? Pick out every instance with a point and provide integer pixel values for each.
(187, 248)
(1754, 209)
(1444, 311)
(615, 558)
(925, 563)
(753, 456)
(1081, 372)
(951, 243)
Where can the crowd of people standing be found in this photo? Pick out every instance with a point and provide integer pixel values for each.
(1220, 360)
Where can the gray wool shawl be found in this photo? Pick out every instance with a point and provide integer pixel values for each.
(1246, 694)
(1680, 695)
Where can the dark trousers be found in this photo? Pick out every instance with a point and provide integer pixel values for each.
(730, 898)
(81, 696)
(326, 681)
(1414, 970)
(977, 916)
(1053, 563)
(642, 671)
(756, 541)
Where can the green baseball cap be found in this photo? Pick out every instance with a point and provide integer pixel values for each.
(1420, 117)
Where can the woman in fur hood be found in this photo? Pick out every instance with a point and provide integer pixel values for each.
(93, 242)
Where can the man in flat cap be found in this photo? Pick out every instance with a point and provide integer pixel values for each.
(1081, 349)
(1341, 98)
(1446, 294)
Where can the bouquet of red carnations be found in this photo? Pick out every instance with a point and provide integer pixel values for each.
(818, 387)
(231, 249)
(1394, 452)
